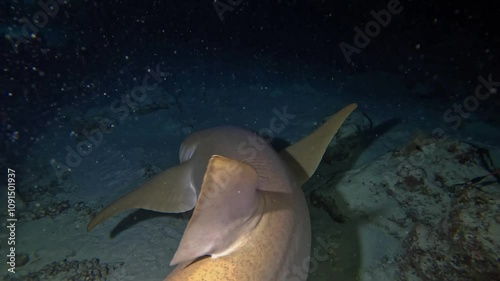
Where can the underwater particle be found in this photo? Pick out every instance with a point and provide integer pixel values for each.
(14, 136)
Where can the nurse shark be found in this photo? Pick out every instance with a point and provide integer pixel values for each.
(250, 218)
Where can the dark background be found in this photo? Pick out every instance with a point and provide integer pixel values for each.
(82, 50)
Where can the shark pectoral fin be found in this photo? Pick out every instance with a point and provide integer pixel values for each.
(225, 211)
(304, 156)
(168, 192)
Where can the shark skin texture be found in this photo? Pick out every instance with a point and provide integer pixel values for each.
(250, 219)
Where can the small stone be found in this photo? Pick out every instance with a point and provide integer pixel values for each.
(104, 270)
(22, 259)
(86, 210)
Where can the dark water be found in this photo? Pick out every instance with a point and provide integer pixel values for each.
(96, 97)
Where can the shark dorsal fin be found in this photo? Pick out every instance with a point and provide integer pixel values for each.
(225, 211)
(168, 192)
(304, 156)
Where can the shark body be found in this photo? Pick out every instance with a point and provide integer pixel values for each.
(250, 219)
